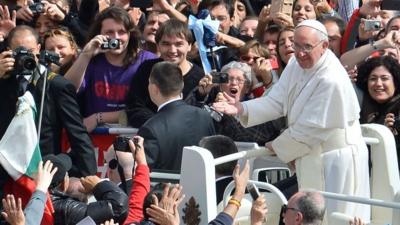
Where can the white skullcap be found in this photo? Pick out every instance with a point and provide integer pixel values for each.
(315, 24)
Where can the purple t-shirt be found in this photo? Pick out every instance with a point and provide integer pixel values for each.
(105, 86)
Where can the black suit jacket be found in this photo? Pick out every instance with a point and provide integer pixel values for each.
(60, 111)
(176, 125)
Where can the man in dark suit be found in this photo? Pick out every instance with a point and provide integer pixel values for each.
(60, 110)
(176, 124)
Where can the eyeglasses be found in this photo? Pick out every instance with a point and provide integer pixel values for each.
(238, 80)
(305, 49)
(285, 208)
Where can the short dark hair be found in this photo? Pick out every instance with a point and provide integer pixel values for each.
(174, 27)
(120, 15)
(210, 4)
(167, 77)
(365, 69)
(312, 208)
(220, 145)
(338, 21)
(21, 28)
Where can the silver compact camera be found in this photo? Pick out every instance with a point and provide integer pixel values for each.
(372, 25)
(110, 44)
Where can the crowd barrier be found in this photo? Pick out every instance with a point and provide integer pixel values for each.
(385, 182)
(102, 139)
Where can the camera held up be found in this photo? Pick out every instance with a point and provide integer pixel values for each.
(111, 44)
(25, 62)
(219, 77)
(37, 8)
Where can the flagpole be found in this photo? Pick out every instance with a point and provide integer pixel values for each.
(42, 102)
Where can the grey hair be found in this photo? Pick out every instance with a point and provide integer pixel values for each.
(312, 206)
(246, 69)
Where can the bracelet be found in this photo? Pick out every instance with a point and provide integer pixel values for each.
(234, 202)
(373, 45)
(99, 118)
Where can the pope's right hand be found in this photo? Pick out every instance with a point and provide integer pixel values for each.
(229, 107)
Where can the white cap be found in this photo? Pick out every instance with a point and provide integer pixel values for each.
(315, 24)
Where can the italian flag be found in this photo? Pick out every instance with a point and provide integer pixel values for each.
(20, 154)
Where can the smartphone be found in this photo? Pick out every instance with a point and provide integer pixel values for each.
(390, 5)
(253, 190)
(282, 6)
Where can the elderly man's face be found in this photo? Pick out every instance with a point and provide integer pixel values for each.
(308, 48)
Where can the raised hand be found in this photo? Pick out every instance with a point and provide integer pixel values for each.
(53, 11)
(161, 216)
(138, 151)
(171, 197)
(7, 23)
(13, 213)
(45, 175)
(259, 210)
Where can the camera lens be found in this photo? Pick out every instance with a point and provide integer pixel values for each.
(28, 63)
(113, 43)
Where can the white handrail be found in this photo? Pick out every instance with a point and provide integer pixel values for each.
(368, 201)
(262, 151)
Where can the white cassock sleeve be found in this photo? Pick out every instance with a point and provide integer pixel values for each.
(324, 111)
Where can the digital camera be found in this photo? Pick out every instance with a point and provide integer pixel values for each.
(121, 143)
(111, 44)
(219, 77)
(372, 25)
(37, 8)
(47, 57)
(25, 62)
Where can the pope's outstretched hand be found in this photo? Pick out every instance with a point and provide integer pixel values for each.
(230, 107)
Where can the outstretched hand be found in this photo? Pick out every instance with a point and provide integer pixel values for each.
(229, 107)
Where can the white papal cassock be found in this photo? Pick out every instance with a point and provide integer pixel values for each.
(323, 135)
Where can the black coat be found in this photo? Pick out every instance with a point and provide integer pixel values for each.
(176, 125)
(139, 107)
(60, 112)
(112, 203)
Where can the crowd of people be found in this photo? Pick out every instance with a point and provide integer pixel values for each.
(299, 79)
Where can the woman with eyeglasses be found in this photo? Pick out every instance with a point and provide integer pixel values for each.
(61, 41)
(237, 85)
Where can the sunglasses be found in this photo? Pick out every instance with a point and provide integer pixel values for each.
(285, 208)
(248, 58)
